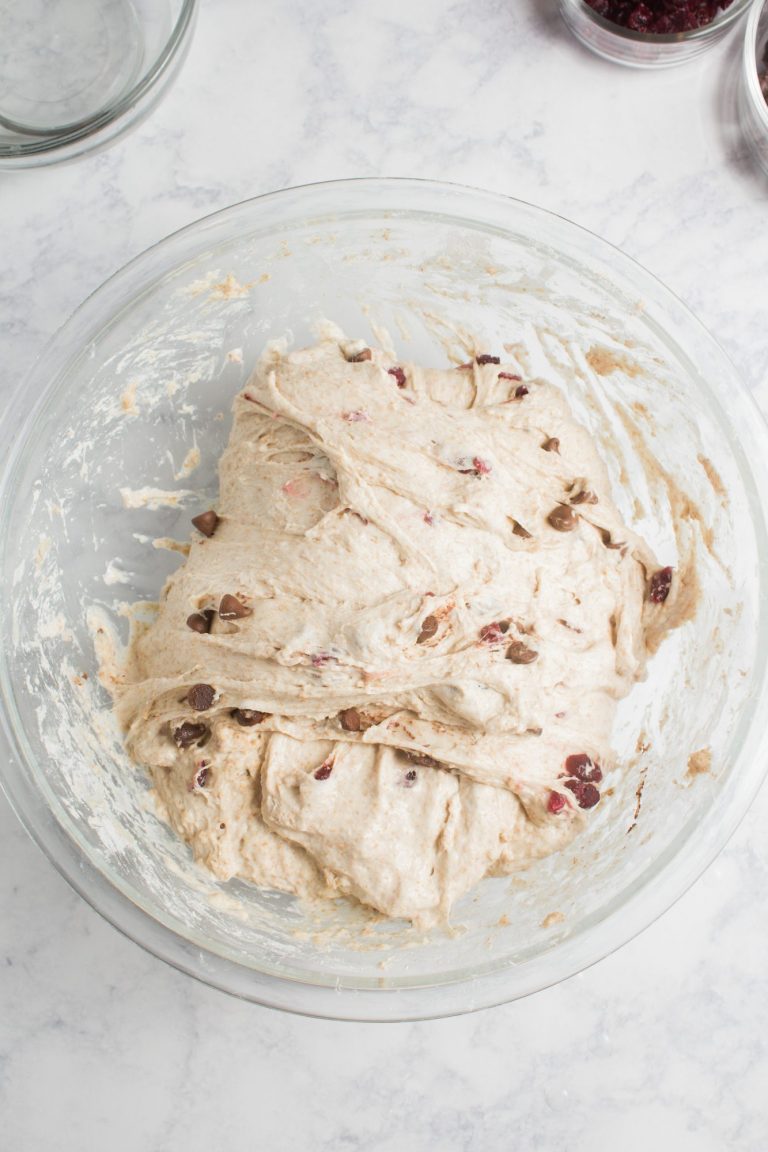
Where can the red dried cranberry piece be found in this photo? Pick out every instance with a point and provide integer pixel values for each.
(509, 376)
(520, 392)
(494, 633)
(324, 770)
(661, 582)
(399, 376)
(584, 768)
(486, 359)
(556, 802)
(586, 794)
(200, 778)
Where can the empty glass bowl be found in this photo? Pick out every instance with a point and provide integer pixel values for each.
(74, 74)
(93, 473)
(646, 50)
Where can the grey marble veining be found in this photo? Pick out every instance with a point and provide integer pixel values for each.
(662, 1045)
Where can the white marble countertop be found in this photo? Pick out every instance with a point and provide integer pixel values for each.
(662, 1045)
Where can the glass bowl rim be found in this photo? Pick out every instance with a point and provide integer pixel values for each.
(749, 58)
(45, 148)
(660, 885)
(721, 21)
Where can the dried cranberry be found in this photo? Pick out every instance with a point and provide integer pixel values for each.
(584, 768)
(486, 359)
(494, 633)
(200, 778)
(586, 794)
(399, 376)
(324, 770)
(556, 802)
(659, 16)
(661, 582)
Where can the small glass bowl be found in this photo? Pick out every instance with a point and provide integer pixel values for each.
(75, 74)
(645, 49)
(753, 108)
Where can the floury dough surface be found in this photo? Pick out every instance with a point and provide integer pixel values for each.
(427, 647)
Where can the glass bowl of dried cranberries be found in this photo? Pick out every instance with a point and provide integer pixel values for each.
(651, 33)
(753, 101)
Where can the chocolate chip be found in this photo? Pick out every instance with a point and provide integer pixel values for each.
(520, 653)
(428, 629)
(358, 358)
(200, 697)
(586, 794)
(188, 734)
(584, 496)
(350, 720)
(563, 519)
(247, 717)
(410, 778)
(206, 522)
(399, 376)
(486, 359)
(518, 530)
(324, 770)
(584, 768)
(661, 582)
(520, 392)
(201, 621)
(232, 609)
(605, 536)
(551, 445)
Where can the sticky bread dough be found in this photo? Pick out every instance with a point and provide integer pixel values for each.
(427, 647)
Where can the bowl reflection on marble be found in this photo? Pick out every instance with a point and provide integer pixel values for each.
(149, 365)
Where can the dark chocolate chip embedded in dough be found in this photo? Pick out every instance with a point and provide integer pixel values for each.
(585, 496)
(520, 653)
(232, 609)
(518, 530)
(605, 536)
(350, 720)
(520, 391)
(200, 697)
(188, 734)
(324, 770)
(358, 358)
(428, 629)
(201, 621)
(206, 522)
(563, 519)
(486, 359)
(551, 445)
(247, 717)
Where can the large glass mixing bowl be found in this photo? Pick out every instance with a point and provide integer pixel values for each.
(94, 454)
